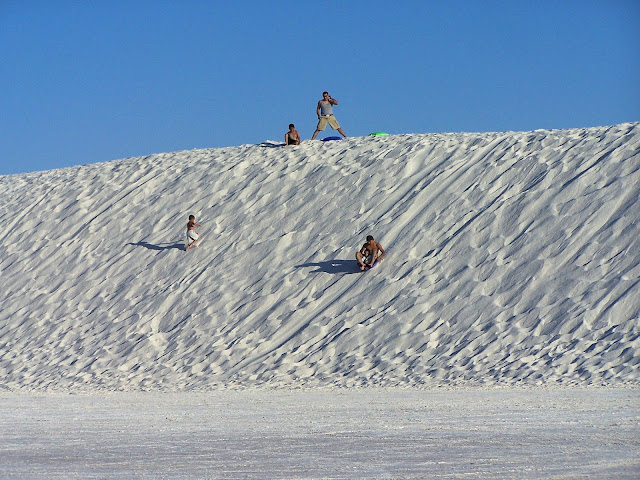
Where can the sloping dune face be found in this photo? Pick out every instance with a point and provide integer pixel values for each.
(512, 258)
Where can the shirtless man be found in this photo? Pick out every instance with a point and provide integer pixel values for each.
(324, 110)
(370, 252)
(192, 235)
(292, 137)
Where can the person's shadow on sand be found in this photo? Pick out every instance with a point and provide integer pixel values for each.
(270, 144)
(333, 266)
(160, 246)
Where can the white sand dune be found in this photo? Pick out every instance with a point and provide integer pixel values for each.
(513, 258)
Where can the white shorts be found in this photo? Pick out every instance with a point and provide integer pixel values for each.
(192, 236)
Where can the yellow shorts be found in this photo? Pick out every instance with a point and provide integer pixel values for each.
(330, 119)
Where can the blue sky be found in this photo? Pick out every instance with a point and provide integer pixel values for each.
(85, 82)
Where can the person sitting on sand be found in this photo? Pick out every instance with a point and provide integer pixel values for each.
(370, 253)
(192, 235)
(292, 137)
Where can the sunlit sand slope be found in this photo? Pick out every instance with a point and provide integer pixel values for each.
(513, 258)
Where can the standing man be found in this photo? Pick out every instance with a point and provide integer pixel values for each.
(324, 110)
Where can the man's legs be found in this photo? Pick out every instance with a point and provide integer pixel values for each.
(322, 124)
(192, 240)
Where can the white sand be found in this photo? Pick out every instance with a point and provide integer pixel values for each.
(356, 434)
(513, 262)
(513, 258)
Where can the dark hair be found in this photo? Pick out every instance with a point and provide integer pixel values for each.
(291, 125)
(191, 217)
(325, 92)
(369, 238)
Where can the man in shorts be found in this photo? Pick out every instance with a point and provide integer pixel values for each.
(369, 254)
(324, 110)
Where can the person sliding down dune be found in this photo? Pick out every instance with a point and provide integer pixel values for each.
(370, 253)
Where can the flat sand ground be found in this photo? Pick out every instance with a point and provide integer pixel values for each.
(323, 434)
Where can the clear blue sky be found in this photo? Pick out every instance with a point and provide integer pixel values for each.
(84, 82)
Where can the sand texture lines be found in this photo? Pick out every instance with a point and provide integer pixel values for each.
(512, 259)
